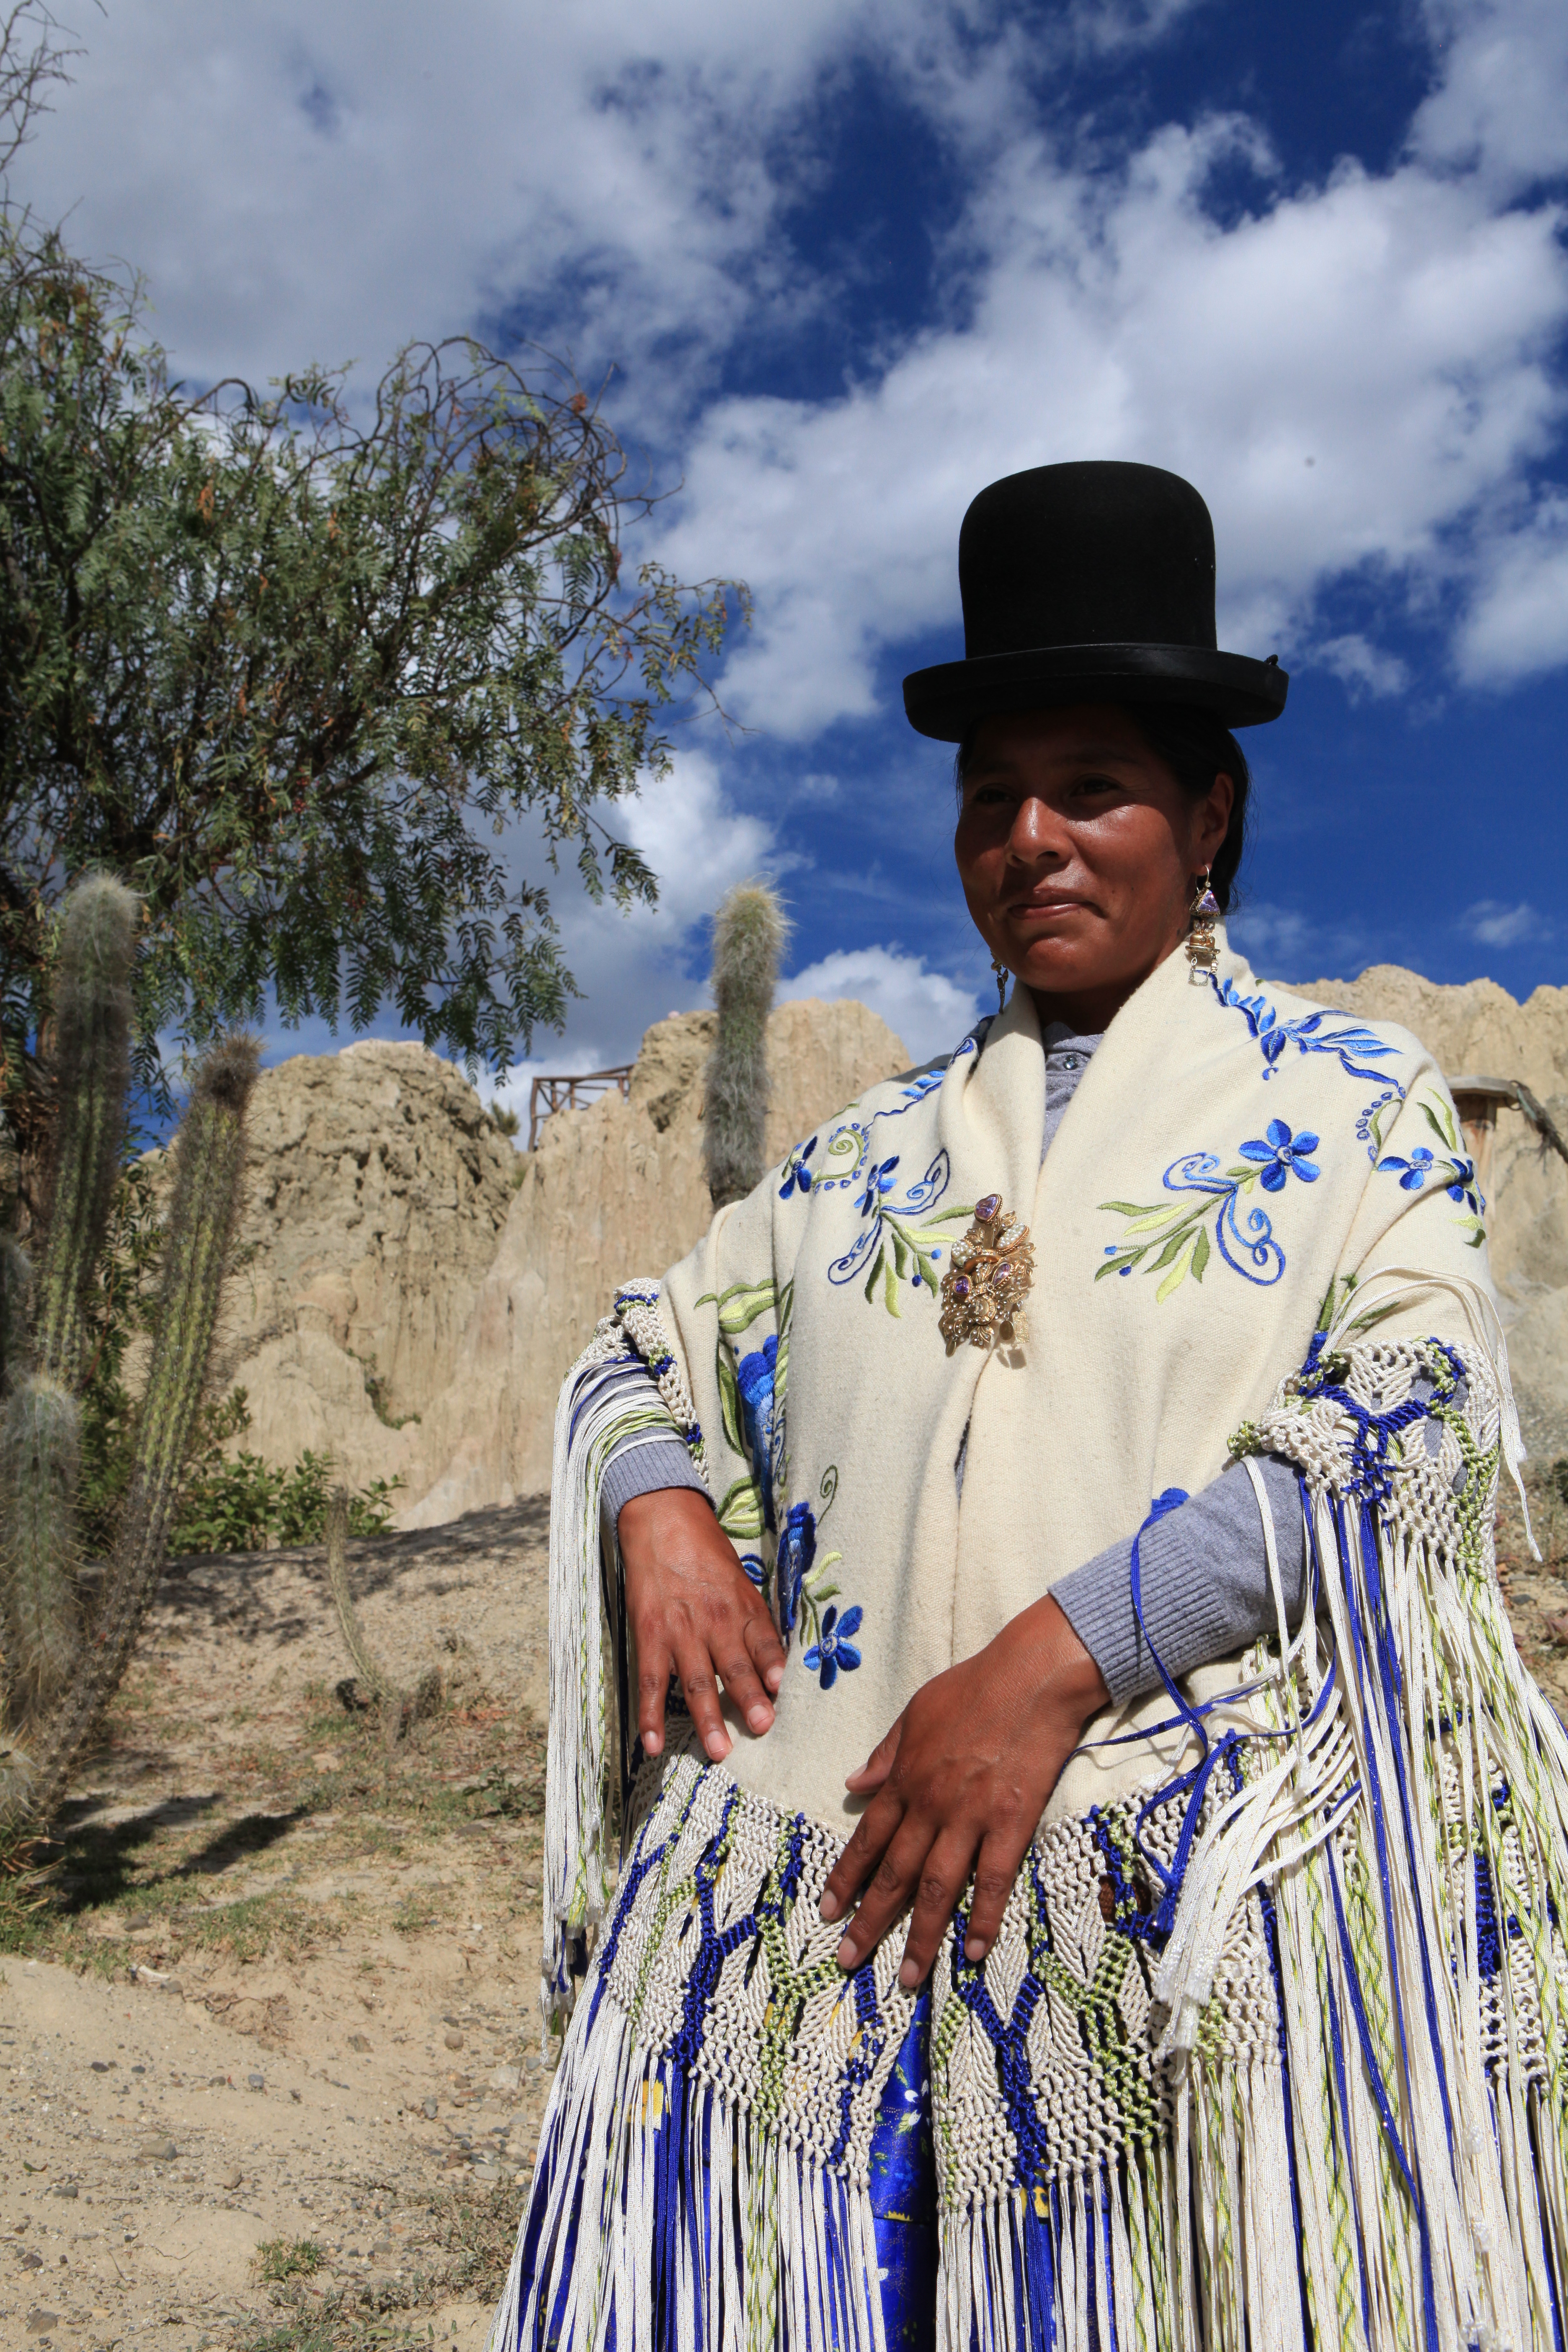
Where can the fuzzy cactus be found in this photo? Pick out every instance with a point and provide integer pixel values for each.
(749, 934)
(60, 1673)
(208, 1172)
(40, 1460)
(91, 1059)
(16, 1287)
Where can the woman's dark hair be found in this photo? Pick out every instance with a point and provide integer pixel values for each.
(1196, 749)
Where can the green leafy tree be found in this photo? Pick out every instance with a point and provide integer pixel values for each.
(293, 666)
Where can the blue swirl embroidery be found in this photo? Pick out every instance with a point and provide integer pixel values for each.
(892, 1246)
(851, 1141)
(1308, 1035)
(1176, 1237)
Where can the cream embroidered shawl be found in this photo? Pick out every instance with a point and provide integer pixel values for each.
(1233, 1163)
(1275, 2053)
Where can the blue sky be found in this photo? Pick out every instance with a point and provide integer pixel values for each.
(854, 259)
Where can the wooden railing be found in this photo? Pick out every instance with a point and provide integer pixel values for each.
(570, 1094)
(1478, 1101)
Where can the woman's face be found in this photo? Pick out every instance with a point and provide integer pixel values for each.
(1077, 849)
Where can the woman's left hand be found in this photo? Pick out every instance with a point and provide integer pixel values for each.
(959, 1785)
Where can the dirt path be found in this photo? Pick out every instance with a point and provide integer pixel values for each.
(277, 2061)
(270, 2071)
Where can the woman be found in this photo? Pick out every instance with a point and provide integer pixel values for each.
(1040, 1924)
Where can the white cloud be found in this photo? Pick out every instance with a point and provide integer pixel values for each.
(1495, 925)
(303, 182)
(1350, 371)
(1498, 106)
(930, 1011)
(1363, 667)
(633, 968)
(1397, 330)
(1517, 621)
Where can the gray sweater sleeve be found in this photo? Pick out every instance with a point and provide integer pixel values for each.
(643, 1463)
(1203, 1573)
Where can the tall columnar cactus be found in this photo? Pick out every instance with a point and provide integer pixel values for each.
(209, 1167)
(62, 1675)
(91, 1060)
(40, 1440)
(749, 933)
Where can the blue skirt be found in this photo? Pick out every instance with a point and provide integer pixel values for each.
(903, 2193)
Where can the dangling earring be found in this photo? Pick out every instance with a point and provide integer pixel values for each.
(1001, 972)
(1202, 945)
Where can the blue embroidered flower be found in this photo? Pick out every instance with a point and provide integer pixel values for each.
(1282, 1153)
(754, 1376)
(796, 1554)
(1462, 1188)
(879, 1181)
(751, 1562)
(833, 1649)
(1412, 1172)
(797, 1173)
(1456, 1174)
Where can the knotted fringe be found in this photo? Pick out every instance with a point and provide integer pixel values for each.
(663, 2216)
(603, 1402)
(1344, 2119)
(1409, 1833)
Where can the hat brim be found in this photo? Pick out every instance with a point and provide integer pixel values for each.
(945, 700)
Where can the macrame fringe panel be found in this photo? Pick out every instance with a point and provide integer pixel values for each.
(1273, 2056)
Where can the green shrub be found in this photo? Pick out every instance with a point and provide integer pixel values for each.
(247, 1505)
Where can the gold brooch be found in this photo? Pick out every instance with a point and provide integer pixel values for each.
(984, 1287)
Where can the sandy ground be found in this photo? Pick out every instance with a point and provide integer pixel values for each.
(280, 2055)
(270, 2064)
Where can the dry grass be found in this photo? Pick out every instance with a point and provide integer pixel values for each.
(91, 1897)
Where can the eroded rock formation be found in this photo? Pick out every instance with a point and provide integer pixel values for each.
(404, 1259)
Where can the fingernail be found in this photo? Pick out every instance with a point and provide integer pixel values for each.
(975, 1948)
(760, 1718)
(908, 1976)
(653, 1743)
(717, 1747)
(774, 1677)
(829, 1907)
(845, 1955)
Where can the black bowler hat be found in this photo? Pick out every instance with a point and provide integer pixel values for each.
(1088, 584)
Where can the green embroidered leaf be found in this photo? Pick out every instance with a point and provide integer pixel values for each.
(891, 1291)
(1126, 1208)
(1438, 1120)
(1176, 1242)
(729, 1399)
(901, 1253)
(872, 1278)
(1200, 1253)
(739, 1306)
(740, 1512)
(1153, 1217)
(1175, 1279)
(1473, 1231)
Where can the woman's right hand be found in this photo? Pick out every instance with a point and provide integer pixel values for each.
(694, 1611)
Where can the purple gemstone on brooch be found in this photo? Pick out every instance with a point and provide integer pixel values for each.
(962, 1286)
(1003, 1274)
(988, 1208)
